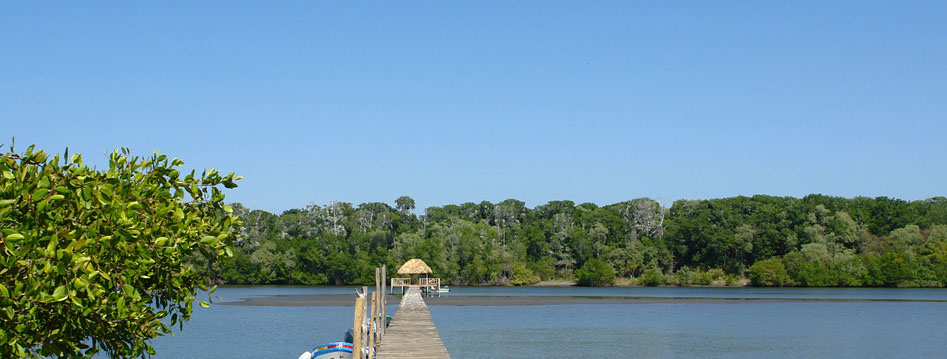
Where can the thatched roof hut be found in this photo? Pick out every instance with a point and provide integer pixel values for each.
(414, 266)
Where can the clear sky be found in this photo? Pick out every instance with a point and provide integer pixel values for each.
(588, 101)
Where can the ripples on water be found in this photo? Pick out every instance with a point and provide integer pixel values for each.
(796, 329)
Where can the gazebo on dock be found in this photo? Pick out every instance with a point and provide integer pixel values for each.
(415, 266)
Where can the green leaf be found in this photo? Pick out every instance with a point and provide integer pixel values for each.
(208, 239)
(51, 246)
(6, 202)
(79, 283)
(59, 294)
(161, 241)
(4, 291)
(40, 194)
(205, 304)
(13, 237)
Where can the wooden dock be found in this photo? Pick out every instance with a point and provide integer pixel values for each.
(411, 333)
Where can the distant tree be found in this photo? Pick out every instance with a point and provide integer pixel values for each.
(627, 259)
(404, 203)
(769, 273)
(652, 277)
(507, 214)
(523, 275)
(909, 237)
(98, 260)
(595, 273)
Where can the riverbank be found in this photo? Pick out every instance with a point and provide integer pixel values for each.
(625, 282)
(334, 300)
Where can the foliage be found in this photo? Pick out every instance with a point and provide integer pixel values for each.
(97, 260)
(769, 273)
(523, 275)
(822, 241)
(652, 277)
(595, 273)
(686, 276)
(543, 268)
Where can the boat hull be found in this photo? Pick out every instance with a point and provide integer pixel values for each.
(337, 350)
(432, 290)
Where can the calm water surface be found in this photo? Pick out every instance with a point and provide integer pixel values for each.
(811, 329)
(712, 292)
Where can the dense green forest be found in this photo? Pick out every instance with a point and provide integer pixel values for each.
(774, 241)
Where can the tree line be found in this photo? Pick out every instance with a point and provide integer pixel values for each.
(816, 240)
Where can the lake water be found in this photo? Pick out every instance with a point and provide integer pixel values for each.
(875, 323)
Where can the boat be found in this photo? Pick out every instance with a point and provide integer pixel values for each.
(435, 290)
(336, 350)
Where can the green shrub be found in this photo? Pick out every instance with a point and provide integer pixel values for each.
(522, 275)
(595, 273)
(704, 278)
(716, 274)
(769, 273)
(652, 277)
(543, 268)
(684, 276)
(100, 260)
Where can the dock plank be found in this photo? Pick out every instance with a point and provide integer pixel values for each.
(412, 333)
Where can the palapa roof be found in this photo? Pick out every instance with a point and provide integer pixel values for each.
(414, 266)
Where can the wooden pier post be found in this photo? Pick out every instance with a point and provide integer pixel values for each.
(372, 325)
(357, 324)
(365, 317)
(384, 300)
(377, 311)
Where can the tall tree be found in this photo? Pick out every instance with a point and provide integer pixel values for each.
(404, 204)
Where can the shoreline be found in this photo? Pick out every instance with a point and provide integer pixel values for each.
(629, 284)
(626, 282)
(346, 300)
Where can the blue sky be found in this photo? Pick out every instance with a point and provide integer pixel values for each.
(449, 103)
